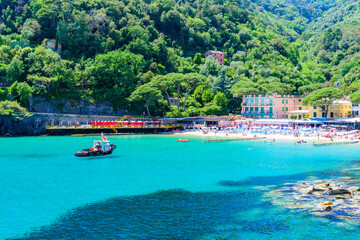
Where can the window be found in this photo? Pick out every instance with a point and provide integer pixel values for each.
(340, 107)
(287, 109)
(262, 102)
(314, 107)
(300, 108)
(49, 43)
(332, 107)
(331, 114)
(314, 114)
(283, 109)
(282, 101)
(287, 116)
(287, 102)
(340, 114)
(299, 100)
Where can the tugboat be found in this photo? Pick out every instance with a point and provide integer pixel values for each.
(100, 148)
(183, 140)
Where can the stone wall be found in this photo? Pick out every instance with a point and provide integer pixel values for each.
(35, 124)
(67, 106)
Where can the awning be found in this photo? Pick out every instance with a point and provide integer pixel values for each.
(312, 122)
(272, 121)
(300, 111)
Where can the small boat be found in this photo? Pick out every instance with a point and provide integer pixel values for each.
(183, 140)
(100, 148)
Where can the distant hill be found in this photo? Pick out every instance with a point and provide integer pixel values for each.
(109, 49)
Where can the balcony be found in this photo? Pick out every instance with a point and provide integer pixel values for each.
(258, 104)
(257, 112)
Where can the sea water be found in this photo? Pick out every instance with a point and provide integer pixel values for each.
(153, 187)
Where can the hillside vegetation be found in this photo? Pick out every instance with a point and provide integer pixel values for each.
(137, 54)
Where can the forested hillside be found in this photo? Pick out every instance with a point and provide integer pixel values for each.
(139, 54)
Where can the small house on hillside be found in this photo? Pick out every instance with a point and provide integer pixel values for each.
(51, 45)
(219, 56)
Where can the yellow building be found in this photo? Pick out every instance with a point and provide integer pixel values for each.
(339, 109)
(300, 112)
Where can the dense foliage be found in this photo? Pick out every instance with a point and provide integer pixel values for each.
(139, 54)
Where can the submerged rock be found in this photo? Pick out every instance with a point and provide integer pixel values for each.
(340, 191)
(338, 198)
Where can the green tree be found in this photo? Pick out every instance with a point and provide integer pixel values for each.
(207, 96)
(278, 87)
(323, 98)
(355, 97)
(246, 87)
(12, 110)
(146, 94)
(4, 92)
(117, 73)
(190, 82)
(197, 58)
(15, 70)
(221, 101)
(310, 88)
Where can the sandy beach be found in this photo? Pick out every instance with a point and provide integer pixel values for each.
(267, 137)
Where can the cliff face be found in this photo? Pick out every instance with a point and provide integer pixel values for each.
(67, 106)
(29, 126)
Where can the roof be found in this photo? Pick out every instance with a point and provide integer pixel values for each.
(345, 120)
(213, 51)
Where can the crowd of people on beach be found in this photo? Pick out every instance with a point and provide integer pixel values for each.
(319, 132)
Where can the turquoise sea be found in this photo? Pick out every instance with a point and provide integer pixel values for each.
(153, 187)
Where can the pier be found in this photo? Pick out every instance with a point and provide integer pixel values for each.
(88, 129)
(335, 143)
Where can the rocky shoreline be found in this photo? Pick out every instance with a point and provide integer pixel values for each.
(338, 198)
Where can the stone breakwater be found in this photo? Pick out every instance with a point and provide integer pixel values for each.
(339, 198)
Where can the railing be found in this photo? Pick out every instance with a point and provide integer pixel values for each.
(257, 104)
(257, 112)
(115, 126)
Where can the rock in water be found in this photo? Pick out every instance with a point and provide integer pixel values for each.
(340, 191)
(328, 208)
(326, 203)
(308, 190)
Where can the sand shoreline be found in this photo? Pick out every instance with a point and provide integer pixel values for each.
(266, 137)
